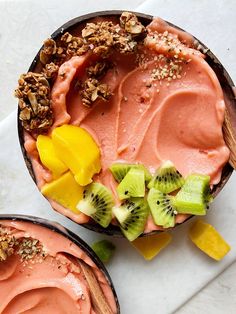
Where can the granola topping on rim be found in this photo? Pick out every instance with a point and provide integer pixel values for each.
(105, 36)
(33, 93)
(100, 38)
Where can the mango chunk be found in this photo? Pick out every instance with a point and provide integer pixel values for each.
(207, 239)
(78, 151)
(48, 156)
(65, 191)
(150, 246)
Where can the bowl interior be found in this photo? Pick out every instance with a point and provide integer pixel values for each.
(56, 227)
(221, 73)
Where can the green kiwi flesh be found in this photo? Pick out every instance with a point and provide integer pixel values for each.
(104, 250)
(132, 216)
(166, 179)
(133, 184)
(162, 209)
(97, 203)
(194, 195)
(120, 170)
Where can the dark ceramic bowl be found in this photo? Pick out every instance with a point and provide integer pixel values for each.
(223, 77)
(56, 227)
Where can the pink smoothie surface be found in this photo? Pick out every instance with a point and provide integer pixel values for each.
(54, 284)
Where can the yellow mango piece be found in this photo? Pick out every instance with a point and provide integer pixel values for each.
(207, 239)
(48, 156)
(65, 191)
(78, 150)
(150, 246)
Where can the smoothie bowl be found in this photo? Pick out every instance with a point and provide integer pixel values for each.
(120, 123)
(46, 268)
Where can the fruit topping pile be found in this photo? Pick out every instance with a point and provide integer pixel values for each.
(143, 194)
(73, 158)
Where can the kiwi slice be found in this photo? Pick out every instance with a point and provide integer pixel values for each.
(166, 179)
(120, 170)
(132, 216)
(133, 184)
(162, 209)
(104, 250)
(97, 203)
(194, 196)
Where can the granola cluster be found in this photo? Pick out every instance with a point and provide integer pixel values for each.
(34, 102)
(92, 89)
(100, 38)
(105, 36)
(130, 23)
(67, 47)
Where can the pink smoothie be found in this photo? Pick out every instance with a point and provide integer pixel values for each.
(54, 284)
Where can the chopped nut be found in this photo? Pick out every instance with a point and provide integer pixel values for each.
(34, 102)
(92, 89)
(130, 23)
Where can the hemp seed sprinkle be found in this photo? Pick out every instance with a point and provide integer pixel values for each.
(26, 248)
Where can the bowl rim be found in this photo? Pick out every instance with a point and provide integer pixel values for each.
(68, 234)
(223, 76)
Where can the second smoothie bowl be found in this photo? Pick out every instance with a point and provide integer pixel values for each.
(120, 122)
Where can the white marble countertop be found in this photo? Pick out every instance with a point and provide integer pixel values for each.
(202, 285)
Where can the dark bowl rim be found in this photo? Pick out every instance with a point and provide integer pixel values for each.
(222, 75)
(65, 232)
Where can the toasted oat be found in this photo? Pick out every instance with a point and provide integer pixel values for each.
(130, 23)
(92, 89)
(33, 93)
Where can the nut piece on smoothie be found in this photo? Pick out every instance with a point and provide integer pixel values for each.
(124, 105)
(47, 270)
(207, 239)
